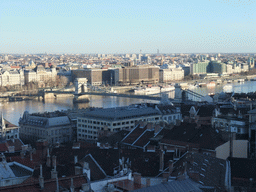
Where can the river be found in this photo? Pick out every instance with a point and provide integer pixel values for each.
(12, 111)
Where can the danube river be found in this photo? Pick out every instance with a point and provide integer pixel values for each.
(12, 111)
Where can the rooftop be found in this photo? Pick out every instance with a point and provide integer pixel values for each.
(121, 112)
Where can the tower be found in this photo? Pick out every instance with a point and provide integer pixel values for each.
(2, 128)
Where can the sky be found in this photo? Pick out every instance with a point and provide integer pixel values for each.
(127, 26)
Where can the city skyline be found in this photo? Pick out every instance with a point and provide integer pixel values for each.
(111, 27)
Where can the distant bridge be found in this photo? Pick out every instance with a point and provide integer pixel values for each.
(156, 97)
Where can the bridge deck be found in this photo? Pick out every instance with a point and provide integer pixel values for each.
(108, 94)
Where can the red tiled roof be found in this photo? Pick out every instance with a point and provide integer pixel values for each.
(3, 147)
(17, 144)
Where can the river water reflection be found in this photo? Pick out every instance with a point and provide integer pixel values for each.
(12, 111)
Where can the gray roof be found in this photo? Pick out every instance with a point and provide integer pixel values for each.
(121, 112)
(45, 121)
(13, 169)
(173, 186)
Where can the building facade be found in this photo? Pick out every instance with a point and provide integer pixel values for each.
(113, 119)
(8, 130)
(208, 67)
(53, 127)
(94, 76)
(138, 74)
(12, 77)
(40, 74)
(168, 75)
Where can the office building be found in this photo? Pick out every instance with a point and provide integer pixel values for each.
(139, 74)
(168, 75)
(54, 127)
(90, 123)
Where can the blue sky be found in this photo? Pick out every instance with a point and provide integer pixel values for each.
(118, 26)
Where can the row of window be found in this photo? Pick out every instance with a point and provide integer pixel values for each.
(82, 136)
(43, 132)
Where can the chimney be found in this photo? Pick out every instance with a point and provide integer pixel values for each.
(30, 155)
(86, 169)
(86, 187)
(54, 174)
(157, 128)
(78, 170)
(137, 178)
(72, 188)
(48, 161)
(75, 159)
(165, 176)
(150, 126)
(22, 154)
(161, 160)
(54, 162)
(41, 178)
(148, 182)
(57, 184)
(170, 167)
(141, 124)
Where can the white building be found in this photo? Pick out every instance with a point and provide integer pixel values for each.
(11, 77)
(8, 130)
(173, 74)
(113, 119)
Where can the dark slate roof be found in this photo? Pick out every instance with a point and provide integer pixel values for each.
(146, 163)
(144, 138)
(187, 133)
(242, 170)
(185, 109)
(121, 112)
(167, 109)
(206, 110)
(97, 173)
(211, 170)
(114, 138)
(134, 134)
(173, 186)
(50, 185)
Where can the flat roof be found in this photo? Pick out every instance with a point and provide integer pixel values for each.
(121, 112)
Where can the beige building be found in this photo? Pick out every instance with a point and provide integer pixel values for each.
(40, 74)
(53, 127)
(172, 74)
(138, 74)
(92, 122)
